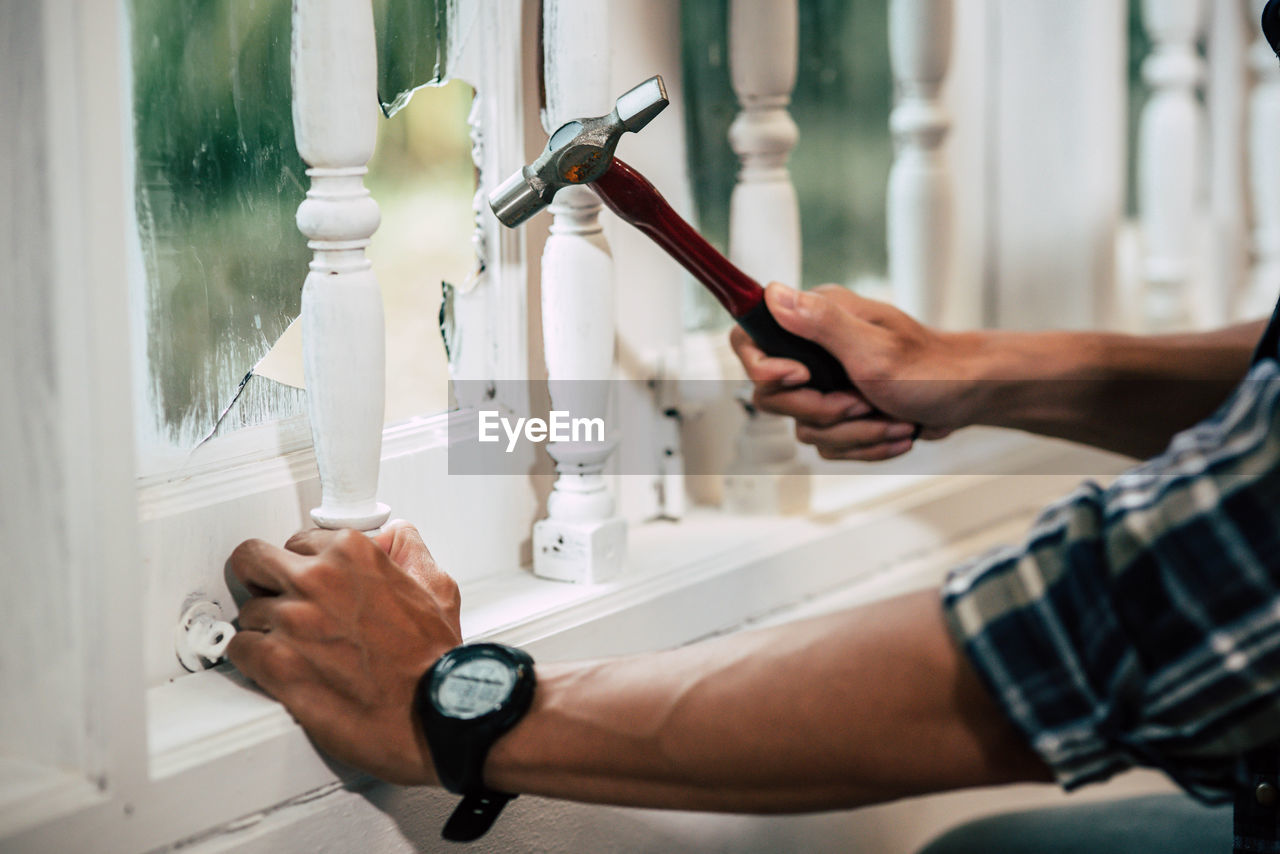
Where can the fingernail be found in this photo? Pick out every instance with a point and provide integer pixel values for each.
(786, 297)
(900, 431)
(795, 379)
(806, 303)
(900, 447)
(856, 410)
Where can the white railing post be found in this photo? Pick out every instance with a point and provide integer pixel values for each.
(1218, 292)
(919, 200)
(335, 119)
(583, 538)
(764, 229)
(1264, 175)
(1169, 160)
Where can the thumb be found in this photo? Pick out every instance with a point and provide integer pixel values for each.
(821, 319)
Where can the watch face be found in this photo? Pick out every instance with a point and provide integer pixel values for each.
(474, 688)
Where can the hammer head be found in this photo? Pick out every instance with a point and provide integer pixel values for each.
(579, 152)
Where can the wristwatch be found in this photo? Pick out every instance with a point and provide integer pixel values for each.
(470, 697)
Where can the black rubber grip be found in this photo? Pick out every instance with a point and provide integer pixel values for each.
(825, 371)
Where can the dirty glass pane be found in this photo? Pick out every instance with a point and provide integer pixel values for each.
(217, 182)
(412, 44)
(842, 99)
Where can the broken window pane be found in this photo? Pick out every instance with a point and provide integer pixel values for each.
(217, 183)
(412, 44)
(841, 102)
(425, 182)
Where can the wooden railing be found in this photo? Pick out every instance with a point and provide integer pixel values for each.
(919, 202)
(583, 538)
(764, 228)
(1209, 220)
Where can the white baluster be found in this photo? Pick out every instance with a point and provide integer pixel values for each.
(1169, 159)
(919, 200)
(583, 538)
(335, 116)
(764, 229)
(1226, 92)
(1264, 174)
(764, 216)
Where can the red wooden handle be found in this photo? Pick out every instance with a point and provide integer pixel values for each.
(630, 195)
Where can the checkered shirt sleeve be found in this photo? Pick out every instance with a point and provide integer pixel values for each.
(1140, 624)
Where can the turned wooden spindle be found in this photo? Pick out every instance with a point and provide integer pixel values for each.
(1170, 171)
(764, 229)
(583, 538)
(335, 116)
(1216, 295)
(919, 194)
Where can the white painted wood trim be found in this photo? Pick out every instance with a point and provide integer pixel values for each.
(1219, 291)
(82, 80)
(764, 215)
(193, 524)
(335, 121)
(710, 574)
(583, 538)
(965, 95)
(764, 231)
(86, 55)
(919, 200)
(1170, 161)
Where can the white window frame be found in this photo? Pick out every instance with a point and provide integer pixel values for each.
(262, 481)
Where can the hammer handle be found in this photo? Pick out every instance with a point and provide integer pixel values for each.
(630, 195)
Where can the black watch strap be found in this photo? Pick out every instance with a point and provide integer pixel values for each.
(460, 745)
(474, 815)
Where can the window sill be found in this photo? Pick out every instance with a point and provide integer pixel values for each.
(708, 574)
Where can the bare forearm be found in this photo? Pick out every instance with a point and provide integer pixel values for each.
(850, 709)
(1122, 393)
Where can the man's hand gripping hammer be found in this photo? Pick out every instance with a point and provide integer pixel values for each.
(581, 152)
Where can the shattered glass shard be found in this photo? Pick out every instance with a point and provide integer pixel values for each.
(283, 362)
(412, 46)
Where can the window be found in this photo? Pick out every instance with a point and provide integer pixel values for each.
(218, 181)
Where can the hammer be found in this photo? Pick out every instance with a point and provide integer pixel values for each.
(581, 152)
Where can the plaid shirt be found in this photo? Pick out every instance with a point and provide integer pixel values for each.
(1140, 624)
